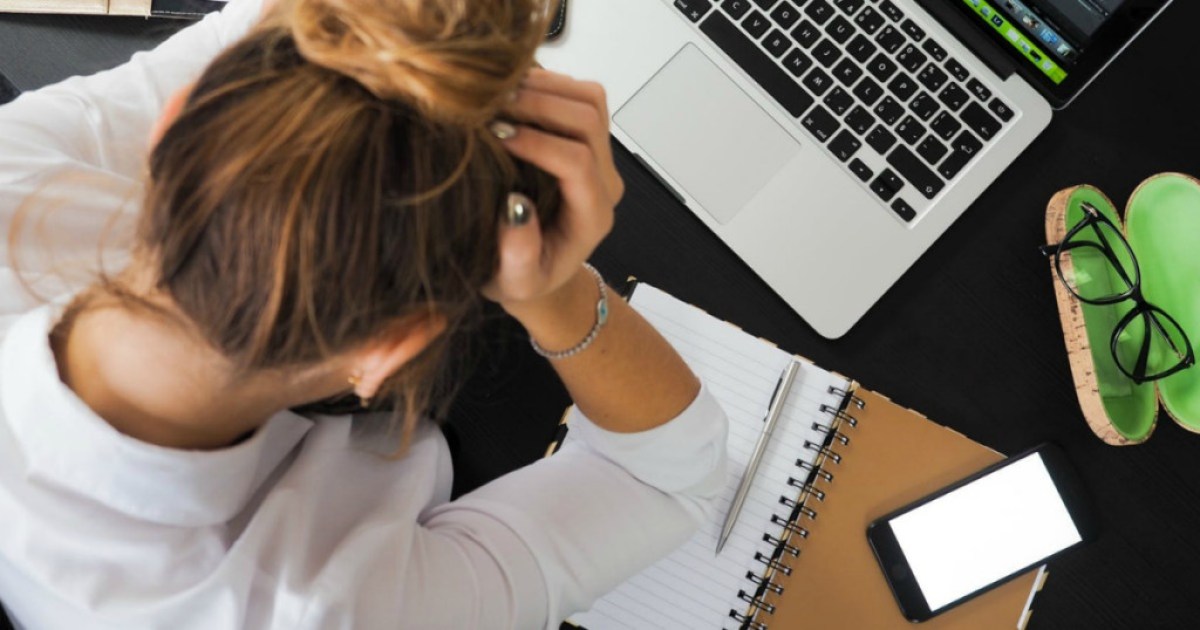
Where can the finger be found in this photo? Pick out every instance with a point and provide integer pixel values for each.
(571, 161)
(572, 118)
(564, 116)
(563, 85)
(574, 165)
(520, 273)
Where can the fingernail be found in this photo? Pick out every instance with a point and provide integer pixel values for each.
(503, 130)
(520, 209)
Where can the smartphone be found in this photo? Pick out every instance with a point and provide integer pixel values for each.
(558, 22)
(981, 532)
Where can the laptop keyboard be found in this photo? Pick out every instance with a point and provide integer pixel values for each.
(865, 81)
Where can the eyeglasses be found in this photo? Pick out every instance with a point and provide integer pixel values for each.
(1097, 265)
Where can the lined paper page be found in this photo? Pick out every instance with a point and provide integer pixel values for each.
(693, 589)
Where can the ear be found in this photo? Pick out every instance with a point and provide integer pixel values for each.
(382, 358)
(170, 112)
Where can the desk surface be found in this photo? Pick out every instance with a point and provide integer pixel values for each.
(1008, 389)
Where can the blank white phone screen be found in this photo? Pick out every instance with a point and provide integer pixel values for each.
(985, 530)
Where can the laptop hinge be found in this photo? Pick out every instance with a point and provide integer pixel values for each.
(971, 35)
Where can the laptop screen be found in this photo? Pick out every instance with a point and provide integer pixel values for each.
(1062, 44)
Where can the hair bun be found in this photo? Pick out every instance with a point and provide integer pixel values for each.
(452, 59)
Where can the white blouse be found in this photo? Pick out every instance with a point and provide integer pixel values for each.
(298, 526)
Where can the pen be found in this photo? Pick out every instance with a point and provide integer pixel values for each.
(774, 410)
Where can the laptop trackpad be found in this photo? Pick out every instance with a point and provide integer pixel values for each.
(707, 133)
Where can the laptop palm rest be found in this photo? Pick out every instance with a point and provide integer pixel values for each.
(708, 134)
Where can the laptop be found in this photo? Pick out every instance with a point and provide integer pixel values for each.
(830, 142)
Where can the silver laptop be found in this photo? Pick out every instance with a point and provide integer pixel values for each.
(829, 142)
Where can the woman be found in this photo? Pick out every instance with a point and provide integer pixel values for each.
(326, 204)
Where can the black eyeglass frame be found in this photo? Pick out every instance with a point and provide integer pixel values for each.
(1147, 310)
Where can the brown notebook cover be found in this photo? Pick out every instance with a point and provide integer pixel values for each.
(894, 456)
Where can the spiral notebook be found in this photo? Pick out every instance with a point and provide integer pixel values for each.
(840, 457)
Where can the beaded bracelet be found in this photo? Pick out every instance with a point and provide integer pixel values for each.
(601, 318)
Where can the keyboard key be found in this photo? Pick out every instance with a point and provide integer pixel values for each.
(693, 9)
(869, 20)
(827, 53)
(932, 78)
(881, 67)
(736, 8)
(839, 101)
(979, 90)
(891, 10)
(890, 39)
(910, 130)
(819, 11)
(806, 34)
(847, 72)
(887, 184)
(937, 52)
(860, 48)
(756, 24)
(983, 123)
(860, 120)
(820, 123)
(911, 29)
(785, 15)
(868, 91)
(765, 4)
(818, 81)
(953, 97)
(1000, 109)
(931, 150)
(920, 176)
(844, 146)
(945, 125)
(860, 170)
(924, 106)
(839, 29)
(849, 6)
(903, 210)
(966, 143)
(777, 43)
(957, 70)
(756, 63)
(889, 110)
(910, 58)
(796, 62)
(953, 164)
(902, 86)
(881, 139)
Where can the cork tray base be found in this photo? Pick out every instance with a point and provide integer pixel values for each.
(1120, 412)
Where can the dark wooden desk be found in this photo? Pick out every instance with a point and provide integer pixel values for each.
(969, 335)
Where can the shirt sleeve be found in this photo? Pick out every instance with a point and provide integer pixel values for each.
(537, 545)
(72, 155)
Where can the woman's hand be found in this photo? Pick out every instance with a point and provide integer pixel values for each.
(571, 142)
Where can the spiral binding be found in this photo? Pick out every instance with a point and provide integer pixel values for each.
(854, 400)
(832, 432)
(765, 583)
(747, 621)
(798, 508)
(782, 543)
(840, 414)
(791, 527)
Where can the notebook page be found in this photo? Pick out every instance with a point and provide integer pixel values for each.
(692, 588)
